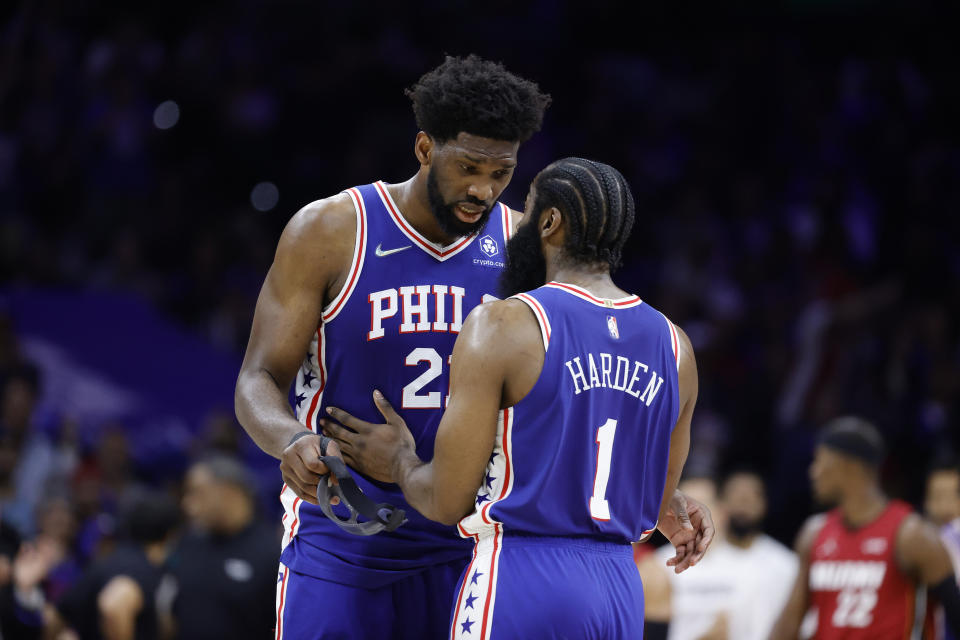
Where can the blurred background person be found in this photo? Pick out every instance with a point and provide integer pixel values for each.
(26, 454)
(657, 593)
(743, 568)
(864, 562)
(23, 566)
(115, 598)
(942, 502)
(225, 566)
(942, 506)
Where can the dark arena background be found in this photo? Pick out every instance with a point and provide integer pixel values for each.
(796, 171)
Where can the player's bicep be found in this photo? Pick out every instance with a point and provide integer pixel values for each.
(284, 320)
(680, 437)
(921, 552)
(312, 255)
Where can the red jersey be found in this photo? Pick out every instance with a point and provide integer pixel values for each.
(855, 583)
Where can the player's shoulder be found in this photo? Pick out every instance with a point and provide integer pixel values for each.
(498, 315)
(515, 216)
(328, 225)
(508, 324)
(809, 532)
(334, 214)
(914, 530)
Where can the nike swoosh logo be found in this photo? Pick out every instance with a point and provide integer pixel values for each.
(380, 252)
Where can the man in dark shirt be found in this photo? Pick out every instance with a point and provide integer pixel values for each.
(115, 597)
(225, 567)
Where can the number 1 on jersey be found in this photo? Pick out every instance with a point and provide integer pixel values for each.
(599, 507)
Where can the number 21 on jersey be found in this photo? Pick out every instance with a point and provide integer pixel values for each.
(599, 507)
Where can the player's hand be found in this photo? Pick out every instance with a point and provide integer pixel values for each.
(302, 469)
(372, 449)
(688, 525)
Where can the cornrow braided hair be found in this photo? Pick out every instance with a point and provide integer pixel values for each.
(597, 203)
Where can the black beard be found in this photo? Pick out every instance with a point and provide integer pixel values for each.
(449, 223)
(740, 527)
(526, 265)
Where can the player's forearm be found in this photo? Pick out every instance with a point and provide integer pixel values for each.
(262, 410)
(419, 484)
(787, 626)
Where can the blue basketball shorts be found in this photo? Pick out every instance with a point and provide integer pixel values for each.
(534, 587)
(413, 608)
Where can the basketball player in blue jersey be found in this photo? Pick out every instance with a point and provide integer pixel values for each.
(566, 429)
(370, 288)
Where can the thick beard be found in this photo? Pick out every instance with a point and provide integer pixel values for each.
(449, 223)
(740, 527)
(526, 265)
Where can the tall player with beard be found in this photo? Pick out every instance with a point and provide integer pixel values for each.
(866, 565)
(566, 430)
(370, 288)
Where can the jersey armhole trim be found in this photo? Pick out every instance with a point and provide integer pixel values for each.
(356, 265)
(649, 532)
(674, 341)
(540, 314)
(507, 223)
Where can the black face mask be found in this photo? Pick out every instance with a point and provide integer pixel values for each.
(743, 527)
(526, 265)
(444, 212)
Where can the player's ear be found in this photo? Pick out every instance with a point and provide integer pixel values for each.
(550, 222)
(423, 148)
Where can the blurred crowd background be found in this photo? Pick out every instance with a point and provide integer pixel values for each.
(797, 175)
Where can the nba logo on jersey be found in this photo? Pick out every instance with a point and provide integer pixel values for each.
(612, 328)
(489, 246)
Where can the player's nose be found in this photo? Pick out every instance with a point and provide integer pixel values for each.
(481, 191)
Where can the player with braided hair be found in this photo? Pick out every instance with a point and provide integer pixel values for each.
(566, 430)
(600, 218)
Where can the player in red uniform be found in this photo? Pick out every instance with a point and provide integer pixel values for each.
(863, 561)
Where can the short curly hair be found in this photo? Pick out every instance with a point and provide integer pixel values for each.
(479, 97)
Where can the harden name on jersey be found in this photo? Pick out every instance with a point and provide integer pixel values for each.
(608, 376)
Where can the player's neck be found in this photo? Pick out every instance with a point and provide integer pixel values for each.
(414, 204)
(862, 507)
(597, 282)
(743, 543)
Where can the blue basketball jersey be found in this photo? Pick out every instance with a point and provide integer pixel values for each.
(391, 328)
(585, 453)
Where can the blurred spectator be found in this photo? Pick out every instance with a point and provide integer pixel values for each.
(656, 592)
(32, 449)
(942, 505)
(116, 597)
(57, 528)
(225, 567)
(942, 502)
(721, 599)
(21, 612)
(220, 434)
